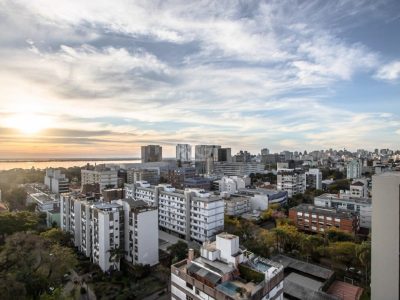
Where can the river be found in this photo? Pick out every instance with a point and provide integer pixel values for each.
(7, 165)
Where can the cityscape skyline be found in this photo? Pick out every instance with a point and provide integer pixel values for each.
(98, 79)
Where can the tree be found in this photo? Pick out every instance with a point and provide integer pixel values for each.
(11, 222)
(343, 252)
(363, 252)
(178, 251)
(115, 256)
(32, 264)
(336, 235)
(56, 235)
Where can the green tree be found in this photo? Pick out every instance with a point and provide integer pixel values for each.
(336, 235)
(115, 256)
(56, 235)
(12, 222)
(33, 264)
(363, 252)
(178, 251)
(343, 253)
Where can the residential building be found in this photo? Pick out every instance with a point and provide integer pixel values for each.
(311, 218)
(236, 168)
(204, 156)
(99, 227)
(177, 176)
(151, 153)
(192, 214)
(231, 184)
(363, 206)
(107, 227)
(313, 179)
(354, 169)
(235, 205)
(151, 175)
(56, 182)
(141, 232)
(100, 178)
(261, 198)
(291, 180)
(44, 202)
(265, 151)
(385, 236)
(183, 152)
(197, 183)
(224, 154)
(222, 272)
(242, 156)
(359, 189)
(113, 194)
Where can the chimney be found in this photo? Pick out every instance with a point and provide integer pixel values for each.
(190, 255)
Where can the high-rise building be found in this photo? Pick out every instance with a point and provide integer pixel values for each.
(225, 271)
(292, 181)
(56, 182)
(151, 153)
(150, 175)
(385, 236)
(265, 151)
(100, 178)
(99, 228)
(354, 169)
(224, 154)
(204, 154)
(184, 152)
(190, 214)
(314, 179)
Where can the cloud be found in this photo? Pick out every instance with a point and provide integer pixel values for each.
(389, 72)
(243, 74)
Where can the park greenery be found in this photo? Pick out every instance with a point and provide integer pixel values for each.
(33, 260)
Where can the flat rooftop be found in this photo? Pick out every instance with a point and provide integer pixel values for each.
(335, 197)
(106, 205)
(308, 208)
(303, 266)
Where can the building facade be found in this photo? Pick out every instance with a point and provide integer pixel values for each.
(99, 229)
(221, 273)
(385, 236)
(315, 219)
(292, 181)
(184, 152)
(192, 214)
(313, 179)
(354, 169)
(56, 182)
(151, 153)
(100, 178)
(363, 206)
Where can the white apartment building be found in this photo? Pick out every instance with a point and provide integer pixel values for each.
(98, 228)
(220, 273)
(237, 205)
(184, 152)
(354, 169)
(141, 232)
(44, 202)
(56, 182)
(231, 184)
(190, 213)
(222, 168)
(292, 181)
(345, 201)
(105, 178)
(107, 225)
(385, 267)
(313, 179)
(359, 189)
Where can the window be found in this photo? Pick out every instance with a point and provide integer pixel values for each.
(189, 285)
(188, 297)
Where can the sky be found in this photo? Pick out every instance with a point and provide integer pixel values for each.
(101, 78)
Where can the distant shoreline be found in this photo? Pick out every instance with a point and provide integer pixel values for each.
(11, 160)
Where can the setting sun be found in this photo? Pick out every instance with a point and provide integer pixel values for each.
(28, 123)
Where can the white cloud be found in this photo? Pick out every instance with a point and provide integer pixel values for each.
(390, 72)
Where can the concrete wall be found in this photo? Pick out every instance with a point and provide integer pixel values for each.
(385, 236)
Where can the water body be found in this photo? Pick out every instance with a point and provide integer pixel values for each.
(7, 165)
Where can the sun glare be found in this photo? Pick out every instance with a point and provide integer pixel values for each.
(28, 123)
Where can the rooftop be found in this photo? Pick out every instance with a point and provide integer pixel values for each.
(335, 197)
(106, 205)
(308, 208)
